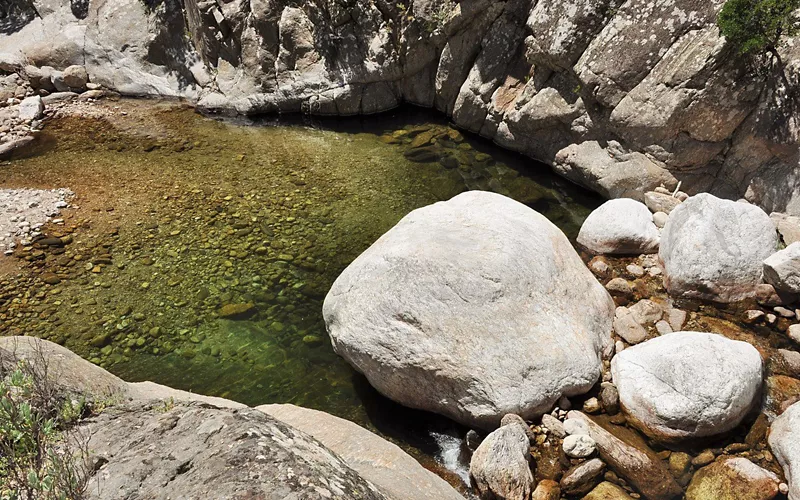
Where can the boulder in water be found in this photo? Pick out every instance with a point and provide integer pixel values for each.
(472, 308)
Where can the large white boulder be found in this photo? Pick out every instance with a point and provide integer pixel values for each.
(472, 308)
(784, 440)
(621, 226)
(714, 249)
(782, 269)
(687, 384)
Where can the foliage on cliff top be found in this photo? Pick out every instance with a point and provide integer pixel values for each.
(756, 26)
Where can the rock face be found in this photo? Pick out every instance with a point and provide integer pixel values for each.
(153, 453)
(472, 308)
(714, 249)
(782, 269)
(687, 384)
(621, 226)
(378, 461)
(499, 467)
(784, 440)
(619, 96)
(733, 479)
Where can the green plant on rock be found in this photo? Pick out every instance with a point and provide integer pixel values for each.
(39, 457)
(757, 26)
(440, 15)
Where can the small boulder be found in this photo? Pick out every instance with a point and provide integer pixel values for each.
(579, 446)
(733, 478)
(784, 440)
(714, 249)
(660, 202)
(687, 384)
(626, 326)
(621, 226)
(582, 477)
(782, 269)
(546, 490)
(76, 77)
(31, 108)
(499, 467)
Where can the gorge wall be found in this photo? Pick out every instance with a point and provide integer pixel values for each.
(618, 95)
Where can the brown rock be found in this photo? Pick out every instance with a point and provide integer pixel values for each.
(639, 466)
(236, 310)
(546, 490)
(607, 491)
(733, 479)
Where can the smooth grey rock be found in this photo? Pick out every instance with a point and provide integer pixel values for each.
(188, 451)
(714, 249)
(554, 425)
(784, 441)
(782, 269)
(579, 446)
(400, 313)
(627, 326)
(582, 477)
(384, 464)
(75, 77)
(31, 108)
(659, 202)
(687, 384)
(500, 465)
(621, 226)
(660, 219)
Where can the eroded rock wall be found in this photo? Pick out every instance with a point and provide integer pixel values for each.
(617, 95)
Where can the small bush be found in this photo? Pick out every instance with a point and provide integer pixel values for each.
(42, 454)
(756, 26)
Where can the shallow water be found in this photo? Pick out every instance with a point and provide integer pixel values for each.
(184, 218)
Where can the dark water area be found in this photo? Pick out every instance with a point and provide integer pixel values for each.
(204, 247)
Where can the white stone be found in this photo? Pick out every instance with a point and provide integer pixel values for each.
(660, 219)
(500, 466)
(579, 446)
(427, 312)
(784, 441)
(714, 249)
(687, 384)
(621, 226)
(794, 332)
(576, 427)
(782, 269)
(31, 108)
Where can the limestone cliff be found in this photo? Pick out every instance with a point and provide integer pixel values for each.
(618, 95)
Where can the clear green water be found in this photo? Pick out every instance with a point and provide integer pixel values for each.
(182, 215)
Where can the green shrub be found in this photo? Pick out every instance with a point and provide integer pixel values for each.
(41, 454)
(756, 26)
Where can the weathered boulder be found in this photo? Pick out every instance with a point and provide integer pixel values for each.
(782, 269)
(621, 226)
(472, 308)
(31, 108)
(640, 467)
(384, 464)
(687, 384)
(784, 441)
(582, 477)
(714, 249)
(199, 451)
(75, 77)
(499, 468)
(733, 478)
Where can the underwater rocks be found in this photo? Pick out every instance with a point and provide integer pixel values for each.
(621, 226)
(233, 311)
(687, 384)
(714, 249)
(429, 310)
(24, 211)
